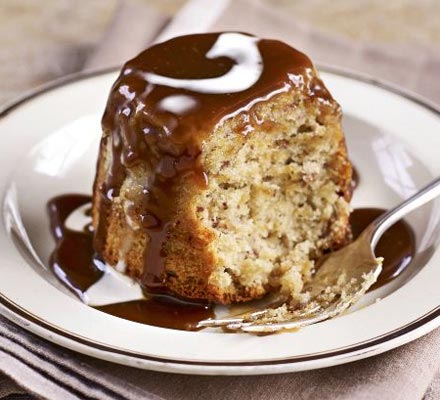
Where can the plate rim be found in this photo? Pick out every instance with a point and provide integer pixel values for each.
(376, 345)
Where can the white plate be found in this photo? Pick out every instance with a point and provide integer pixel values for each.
(49, 146)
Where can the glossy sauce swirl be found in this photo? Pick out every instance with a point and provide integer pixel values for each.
(165, 102)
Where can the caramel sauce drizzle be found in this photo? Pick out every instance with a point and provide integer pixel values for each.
(74, 263)
(148, 122)
(151, 124)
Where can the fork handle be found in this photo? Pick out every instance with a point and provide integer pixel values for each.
(389, 218)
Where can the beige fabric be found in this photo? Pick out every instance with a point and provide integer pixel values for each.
(414, 68)
(433, 391)
(409, 372)
(44, 39)
(56, 373)
(127, 28)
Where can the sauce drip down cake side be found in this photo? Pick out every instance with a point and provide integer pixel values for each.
(222, 173)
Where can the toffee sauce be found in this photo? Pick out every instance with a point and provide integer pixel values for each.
(397, 245)
(355, 178)
(74, 263)
(142, 131)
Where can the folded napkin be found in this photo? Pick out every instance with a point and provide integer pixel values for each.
(409, 372)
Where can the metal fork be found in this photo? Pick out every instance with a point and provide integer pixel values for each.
(341, 280)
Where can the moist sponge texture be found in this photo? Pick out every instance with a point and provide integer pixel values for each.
(276, 199)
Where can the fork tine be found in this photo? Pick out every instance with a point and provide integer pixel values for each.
(217, 323)
(234, 323)
(296, 324)
(244, 316)
(254, 322)
(214, 323)
(299, 322)
(237, 325)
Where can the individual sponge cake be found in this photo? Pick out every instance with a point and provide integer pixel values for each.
(222, 173)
